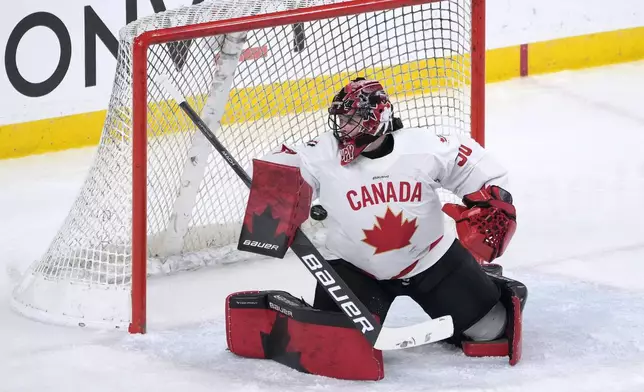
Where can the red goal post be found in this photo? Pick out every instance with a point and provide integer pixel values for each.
(116, 254)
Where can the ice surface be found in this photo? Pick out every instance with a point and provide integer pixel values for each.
(574, 143)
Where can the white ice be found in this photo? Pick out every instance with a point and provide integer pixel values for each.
(574, 142)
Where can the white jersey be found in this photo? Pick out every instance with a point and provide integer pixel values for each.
(384, 214)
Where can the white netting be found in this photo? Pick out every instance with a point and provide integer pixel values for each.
(284, 80)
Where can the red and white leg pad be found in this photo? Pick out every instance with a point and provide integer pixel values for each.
(275, 325)
(509, 346)
(513, 297)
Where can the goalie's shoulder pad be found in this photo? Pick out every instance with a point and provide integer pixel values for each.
(421, 140)
(311, 152)
(321, 149)
(438, 143)
(284, 154)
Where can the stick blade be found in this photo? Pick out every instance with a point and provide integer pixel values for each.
(415, 335)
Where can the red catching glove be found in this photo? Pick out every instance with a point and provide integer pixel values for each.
(486, 223)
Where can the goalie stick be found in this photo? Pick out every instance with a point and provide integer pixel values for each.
(380, 337)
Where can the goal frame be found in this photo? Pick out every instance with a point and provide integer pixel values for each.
(141, 44)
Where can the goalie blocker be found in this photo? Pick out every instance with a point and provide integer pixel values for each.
(278, 204)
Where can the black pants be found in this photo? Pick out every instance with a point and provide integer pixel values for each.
(456, 285)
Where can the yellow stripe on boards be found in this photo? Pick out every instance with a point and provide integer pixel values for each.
(60, 133)
(586, 51)
(502, 64)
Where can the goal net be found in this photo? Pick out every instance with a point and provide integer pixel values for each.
(158, 198)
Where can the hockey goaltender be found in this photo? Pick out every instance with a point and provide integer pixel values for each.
(376, 182)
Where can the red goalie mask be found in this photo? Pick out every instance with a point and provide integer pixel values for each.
(359, 114)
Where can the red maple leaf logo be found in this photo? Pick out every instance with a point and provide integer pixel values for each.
(390, 232)
(285, 150)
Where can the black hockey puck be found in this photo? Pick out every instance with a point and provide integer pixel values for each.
(318, 212)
